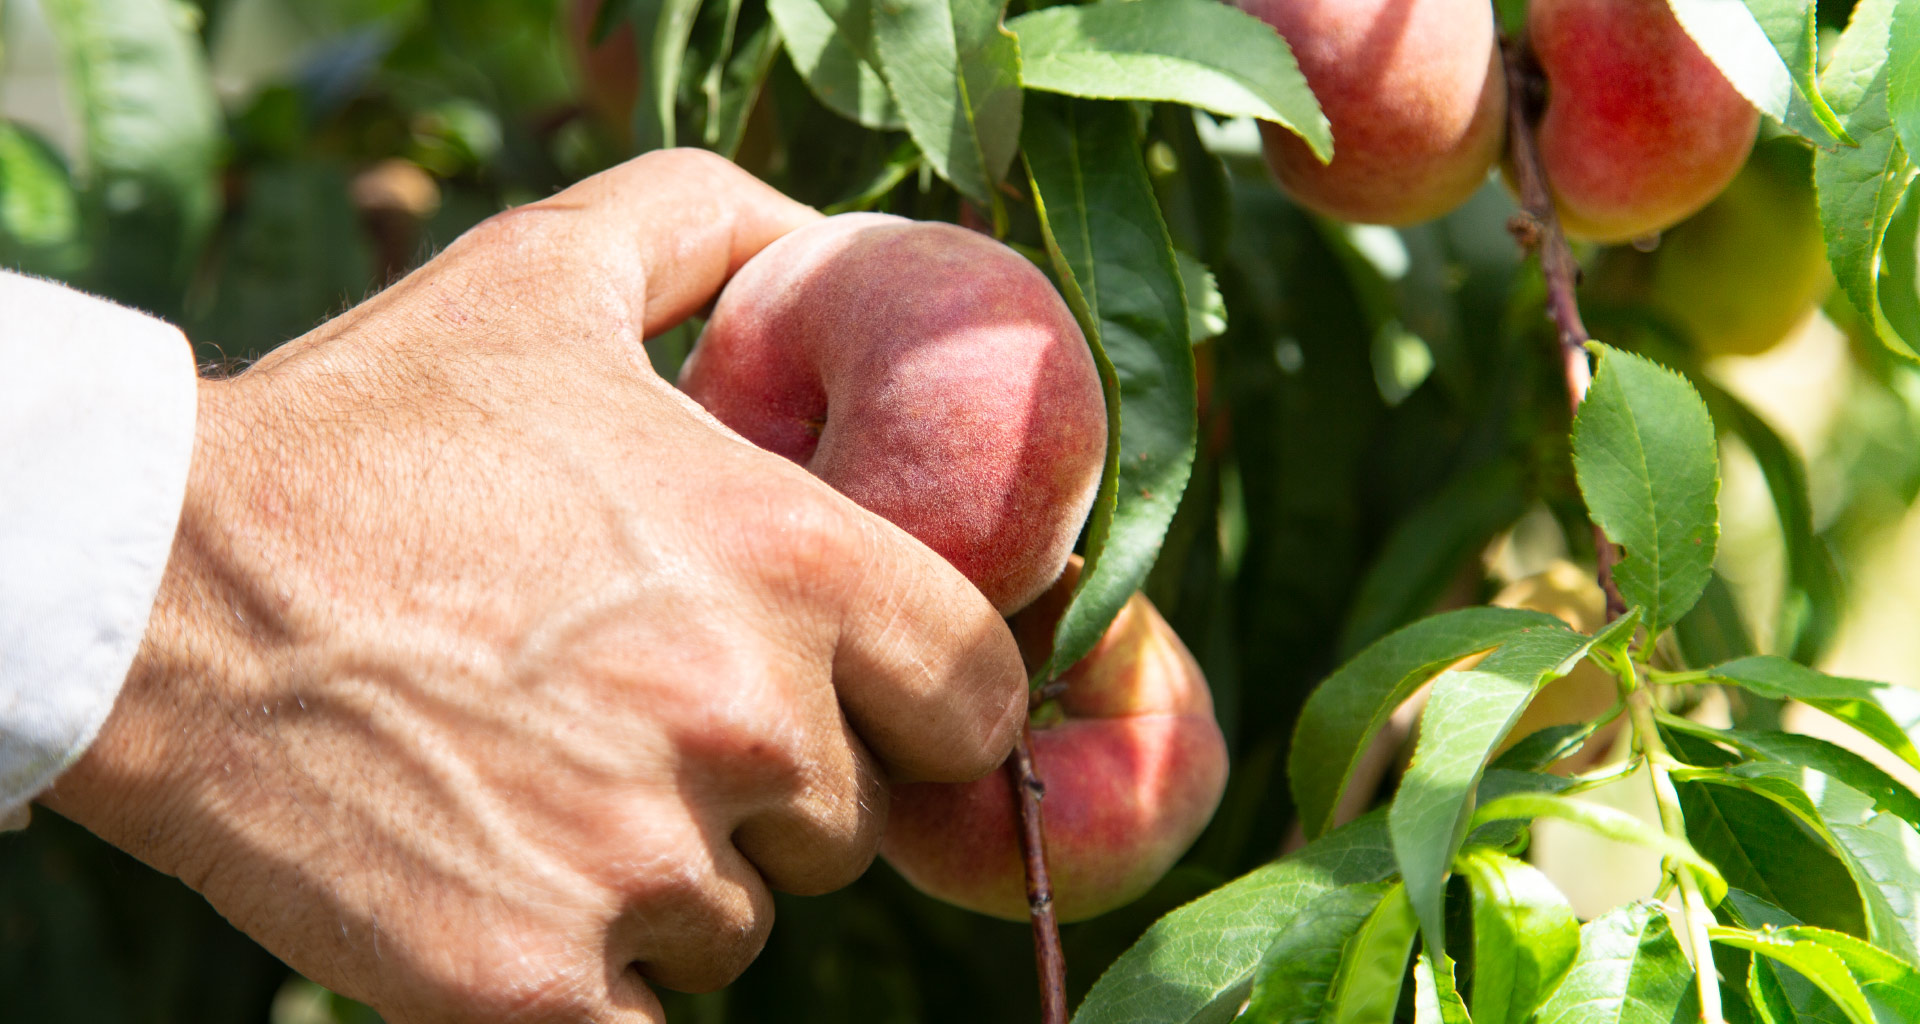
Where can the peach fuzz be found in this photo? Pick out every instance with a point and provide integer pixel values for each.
(1416, 97)
(927, 372)
(1134, 766)
(1640, 128)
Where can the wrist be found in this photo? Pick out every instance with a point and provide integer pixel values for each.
(203, 636)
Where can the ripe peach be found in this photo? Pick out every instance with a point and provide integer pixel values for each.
(1415, 95)
(1133, 764)
(927, 372)
(1640, 128)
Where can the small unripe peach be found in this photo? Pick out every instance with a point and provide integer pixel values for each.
(1742, 274)
(1415, 95)
(1133, 763)
(927, 372)
(1640, 129)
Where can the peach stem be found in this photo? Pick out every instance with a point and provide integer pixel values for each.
(1048, 959)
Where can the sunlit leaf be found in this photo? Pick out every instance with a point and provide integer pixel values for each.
(1201, 53)
(1630, 970)
(1112, 256)
(1343, 714)
(1648, 465)
(954, 72)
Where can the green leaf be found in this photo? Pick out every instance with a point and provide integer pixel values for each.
(1764, 849)
(1881, 852)
(716, 73)
(1778, 995)
(1197, 963)
(1860, 187)
(1712, 630)
(1342, 715)
(1201, 53)
(1630, 970)
(1469, 713)
(1606, 822)
(1648, 465)
(1524, 936)
(954, 72)
(1115, 264)
(1903, 74)
(1435, 999)
(1546, 746)
(39, 210)
(1367, 987)
(1295, 974)
(1852, 701)
(1783, 996)
(1886, 792)
(1810, 609)
(1766, 49)
(1811, 960)
(136, 74)
(734, 86)
(1891, 985)
(831, 44)
(670, 34)
(1206, 309)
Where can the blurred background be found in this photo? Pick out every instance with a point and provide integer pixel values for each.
(1384, 425)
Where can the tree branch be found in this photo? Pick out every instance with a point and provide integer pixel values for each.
(1048, 959)
(1537, 228)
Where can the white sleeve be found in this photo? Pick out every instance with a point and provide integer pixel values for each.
(96, 434)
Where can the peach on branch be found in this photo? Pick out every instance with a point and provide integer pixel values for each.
(1132, 760)
(1743, 273)
(1416, 97)
(927, 372)
(1640, 128)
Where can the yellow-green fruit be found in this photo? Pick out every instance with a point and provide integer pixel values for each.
(1743, 272)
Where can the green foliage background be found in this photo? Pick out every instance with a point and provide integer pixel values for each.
(1376, 408)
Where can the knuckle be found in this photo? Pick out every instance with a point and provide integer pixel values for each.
(522, 229)
(806, 543)
(697, 928)
(746, 739)
(826, 836)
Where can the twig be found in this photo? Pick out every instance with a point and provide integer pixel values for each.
(1693, 906)
(1537, 228)
(1048, 959)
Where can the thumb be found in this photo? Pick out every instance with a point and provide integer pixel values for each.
(691, 217)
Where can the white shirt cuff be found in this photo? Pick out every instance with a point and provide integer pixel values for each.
(96, 437)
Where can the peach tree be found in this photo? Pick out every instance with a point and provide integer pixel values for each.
(1330, 444)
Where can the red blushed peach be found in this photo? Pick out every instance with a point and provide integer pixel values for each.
(1133, 763)
(1640, 129)
(1414, 92)
(927, 372)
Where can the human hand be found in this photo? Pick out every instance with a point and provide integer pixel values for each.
(491, 679)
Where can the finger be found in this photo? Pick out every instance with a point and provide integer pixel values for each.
(695, 217)
(927, 671)
(822, 835)
(695, 921)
